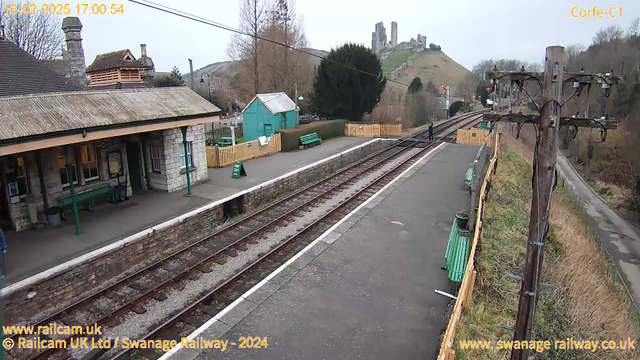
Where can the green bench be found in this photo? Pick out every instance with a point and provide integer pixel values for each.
(225, 141)
(457, 253)
(468, 177)
(310, 139)
(87, 197)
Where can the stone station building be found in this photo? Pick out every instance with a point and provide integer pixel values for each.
(135, 137)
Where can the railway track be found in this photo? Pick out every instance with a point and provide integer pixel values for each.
(128, 296)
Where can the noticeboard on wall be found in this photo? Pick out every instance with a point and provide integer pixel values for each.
(114, 160)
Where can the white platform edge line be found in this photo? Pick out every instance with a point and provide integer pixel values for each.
(125, 241)
(257, 286)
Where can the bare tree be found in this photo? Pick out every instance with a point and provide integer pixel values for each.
(571, 52)
(286, 67)
(38, 34)
(609, 34)
(467, 86)
(481, 68)
(246, 50)
(534, 67)
(634, 28)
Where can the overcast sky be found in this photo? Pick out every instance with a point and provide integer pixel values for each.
(468, 31)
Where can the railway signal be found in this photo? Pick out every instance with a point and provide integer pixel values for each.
(547, 126)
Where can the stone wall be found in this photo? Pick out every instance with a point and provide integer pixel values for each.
(80, 281)
(175, 173)
(172, 176)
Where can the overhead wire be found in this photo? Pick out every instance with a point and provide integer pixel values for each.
(202, 20)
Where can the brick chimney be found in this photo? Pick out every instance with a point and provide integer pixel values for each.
(149, 69)
(74, 56)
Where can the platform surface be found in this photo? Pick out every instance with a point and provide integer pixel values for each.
(365, 290)
(31, 252)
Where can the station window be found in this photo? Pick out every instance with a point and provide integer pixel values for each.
(64, 179)
(17, 177)
(189, 155)
(155, 157)
(89, 163)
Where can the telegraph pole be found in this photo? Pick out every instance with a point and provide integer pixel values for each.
(191, 75)
(543, 182)
(548, 124)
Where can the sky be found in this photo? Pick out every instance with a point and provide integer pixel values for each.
(468, 31)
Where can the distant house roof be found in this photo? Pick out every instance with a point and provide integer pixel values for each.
(276, 102)
(32, 115)
(114, 60)
(21, 74)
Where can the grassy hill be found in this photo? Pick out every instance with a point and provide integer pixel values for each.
(428, 65)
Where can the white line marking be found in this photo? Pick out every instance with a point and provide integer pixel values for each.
(211, 321)
(132, 238)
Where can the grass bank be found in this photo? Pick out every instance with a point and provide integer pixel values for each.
(587, 300)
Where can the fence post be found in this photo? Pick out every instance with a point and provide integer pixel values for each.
(467, 300)
(217, 155)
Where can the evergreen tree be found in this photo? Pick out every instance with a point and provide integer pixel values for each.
(175, 72)
(173, 79)
(344, 92)
(416, 85)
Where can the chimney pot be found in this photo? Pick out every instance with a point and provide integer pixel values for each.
(143, 49)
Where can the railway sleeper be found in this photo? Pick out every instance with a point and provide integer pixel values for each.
(159, 296)
(138, 309)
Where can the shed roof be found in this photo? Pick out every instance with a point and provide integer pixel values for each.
(21, 73)
(114, 60)
(32, 115)
(277, 102)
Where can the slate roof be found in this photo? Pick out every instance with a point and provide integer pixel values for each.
(21, 74)
(113, 60)
(32, 115)
(277, 102)
(59, 66)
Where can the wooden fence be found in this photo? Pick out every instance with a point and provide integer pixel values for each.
(372, 130)
(473, 136)
(463, 302)
(224, 156)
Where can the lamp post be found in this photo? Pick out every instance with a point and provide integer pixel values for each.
(297, 110)
(208, 83)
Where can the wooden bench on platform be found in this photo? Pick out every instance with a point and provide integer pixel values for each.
(87, 197)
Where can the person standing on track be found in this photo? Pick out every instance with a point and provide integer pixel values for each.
(3, 248)
(431, 132)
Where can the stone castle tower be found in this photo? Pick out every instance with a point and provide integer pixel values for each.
(394, 33)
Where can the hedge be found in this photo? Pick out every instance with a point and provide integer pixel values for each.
(325, 129)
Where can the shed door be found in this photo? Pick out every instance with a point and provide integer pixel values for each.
(268, 129)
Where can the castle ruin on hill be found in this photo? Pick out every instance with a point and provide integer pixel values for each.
(380, 43)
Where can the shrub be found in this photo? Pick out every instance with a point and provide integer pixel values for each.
(325, 129)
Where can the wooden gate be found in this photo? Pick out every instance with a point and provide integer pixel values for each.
(249, 150)
(473, 136)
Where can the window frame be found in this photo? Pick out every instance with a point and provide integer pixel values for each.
(189, 153)
(155, 158)
(96, 161)
(62, 156)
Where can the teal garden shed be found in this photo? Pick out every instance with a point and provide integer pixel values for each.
(266, 114)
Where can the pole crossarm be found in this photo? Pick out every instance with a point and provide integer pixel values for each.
(608, 124)
(581, 77)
